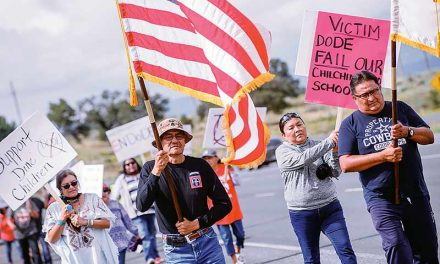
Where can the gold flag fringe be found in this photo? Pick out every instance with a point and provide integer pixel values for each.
(131, 86)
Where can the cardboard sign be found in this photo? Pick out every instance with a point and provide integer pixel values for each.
(214, 137)
(344, 45)
(29, 157)
(134, 138)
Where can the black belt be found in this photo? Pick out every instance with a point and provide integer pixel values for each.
(177, 240)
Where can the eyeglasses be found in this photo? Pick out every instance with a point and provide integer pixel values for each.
(106, 190)
(67, 185)
(366, 95)
(130, 163)
(169, 137)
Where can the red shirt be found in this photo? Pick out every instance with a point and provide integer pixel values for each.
(6, 231)
(235, 213)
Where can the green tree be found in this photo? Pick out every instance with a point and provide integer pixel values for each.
(5, 128)
(112, 110)
(67, 120)
(203, 108)
(274, 94)
(186, 120)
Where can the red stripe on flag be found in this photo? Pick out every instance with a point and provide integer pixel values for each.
(247, 26)
(226, 83)
(221, 39)
(258, 151)
(185, 81)
(243, 111)
(154, 16)
(174, 50)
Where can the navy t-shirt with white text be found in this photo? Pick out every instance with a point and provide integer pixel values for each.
(361, 134)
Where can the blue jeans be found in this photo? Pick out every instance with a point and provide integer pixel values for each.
(204, 249)
(225, 233)
(329, 219)
(8, 249)
(46, 250)
(416, 240)
(121, 256)
(147, 231)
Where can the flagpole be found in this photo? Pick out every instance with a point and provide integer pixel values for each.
(394, 119)
(168, 176)
(339, 118)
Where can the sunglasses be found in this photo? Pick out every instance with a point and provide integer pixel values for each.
(67, 185)
(130, 163)
(106, 190)
(286, 117)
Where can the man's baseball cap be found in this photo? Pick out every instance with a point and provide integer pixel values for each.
(209, 153)
(171, 124)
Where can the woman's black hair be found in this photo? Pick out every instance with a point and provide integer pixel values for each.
(139, 168)
(286, 118)
(63, 174)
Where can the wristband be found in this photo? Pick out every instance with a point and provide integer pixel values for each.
(61, 222)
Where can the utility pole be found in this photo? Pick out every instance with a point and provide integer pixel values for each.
(17, 107)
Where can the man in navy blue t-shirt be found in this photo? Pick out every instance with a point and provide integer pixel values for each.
(408, 230)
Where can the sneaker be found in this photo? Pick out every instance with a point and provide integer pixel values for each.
(240, 259)
(157, 260)
(150, 261)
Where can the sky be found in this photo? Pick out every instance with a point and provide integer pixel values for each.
(74, 49)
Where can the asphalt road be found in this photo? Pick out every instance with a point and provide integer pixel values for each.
(269, 235)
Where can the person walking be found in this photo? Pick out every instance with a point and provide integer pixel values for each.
(192, 240)
(407, 229)
(308, 168)
(234, 219)
(7, 232)
(125, 190)
(122, 225)
(25, 220)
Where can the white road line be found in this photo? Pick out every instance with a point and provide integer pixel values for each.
(269, 194)
(433, 156)
(295, 248)
(353, 190)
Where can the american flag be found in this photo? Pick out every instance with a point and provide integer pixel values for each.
(205, 49)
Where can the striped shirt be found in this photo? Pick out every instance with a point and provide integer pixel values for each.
(132, 184)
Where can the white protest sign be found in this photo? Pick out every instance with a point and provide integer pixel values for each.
(305, 49)
(131, 139)
(29, 157)
(188, 146)
(214, 137)
(91, 178)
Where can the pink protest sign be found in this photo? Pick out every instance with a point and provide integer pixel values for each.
(344, 45)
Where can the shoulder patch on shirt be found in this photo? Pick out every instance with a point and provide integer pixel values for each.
(195, 180)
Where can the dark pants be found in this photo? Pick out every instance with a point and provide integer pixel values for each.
(408, 230)
(329, 219)
(46, 250)
(121, 256)
(32, 243)
(8, 248)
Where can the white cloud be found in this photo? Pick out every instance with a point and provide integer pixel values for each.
(74, 49)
